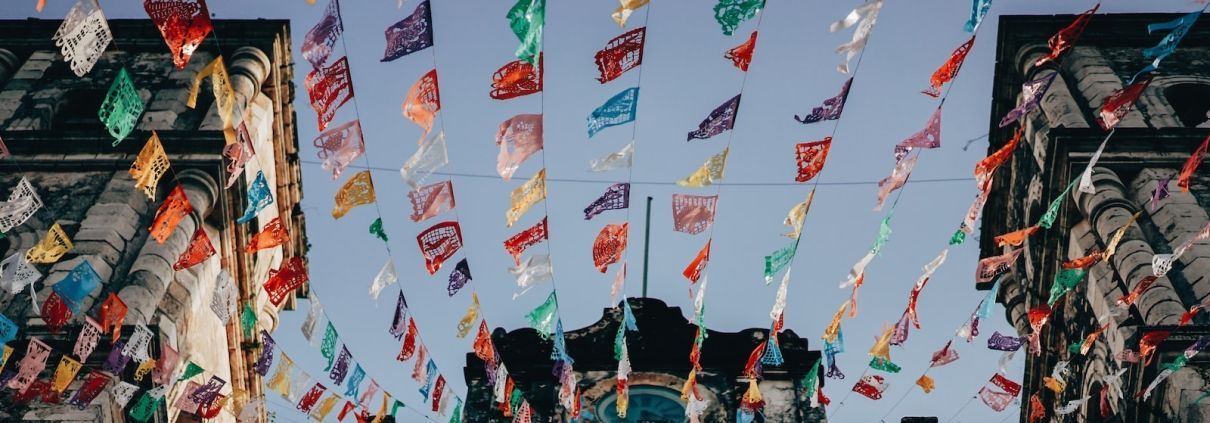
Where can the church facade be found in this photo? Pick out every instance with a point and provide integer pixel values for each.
(49, 123)
(1135, 211)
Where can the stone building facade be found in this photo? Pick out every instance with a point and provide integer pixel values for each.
(48, 119)
(659, 354)
(1150, 145)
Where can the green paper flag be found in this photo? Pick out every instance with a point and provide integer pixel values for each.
(958, 238)
(146, 407)
(398, 404)
(1052, 212)
(247, 320)
(812, 378)
(729, 13)
(376, 230)
(516, 402)
(1064, 282)
(191, 370)
(1177, 363)
(456, 417)
(1201, 397)
(878, 363)
(122, 107)
(619, 342)
(328, 347)
(884, 232)
(1074, 348)
(542, 318)
(526, 19)
(778, 260)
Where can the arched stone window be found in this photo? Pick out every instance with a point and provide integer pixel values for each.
(1191, 103)
(647, 404)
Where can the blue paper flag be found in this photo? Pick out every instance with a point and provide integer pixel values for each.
(618, 110)
(8, 330)
(431, 369)
(77, 285)
(259, 197)
(978, 11)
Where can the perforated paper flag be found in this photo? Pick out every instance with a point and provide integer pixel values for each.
(149, 166)
(459, 277)
(616, 197)
(517, 244)
(711, 171)
(525, 197)
(386, 277)
(468, 320)
(340, 146)
(428, 158)
(273, 234)
(831, 108)
(609, 246)
(618, 110)
(979, 9)
(328, 89)
(1031, 95)
(527, 18)
(722, 118)
(864, 16)
(729, 13)
(200, 248)
(811, 157)
(516, 79)
(622, 53)
(1120, 103)
(83, 36)
(51, 248)
(122, 107)
(623, 158)
(224, 95)
(282, 281)
(423, 101)
(184, 24)
(260, 196)
(318, 42)
(949, 70)
(357, 191)
(693, 214)
(537, 268)
(412, 34)
(741, 55)
(518, 138)
(1066, 38)
(625, 9)
(439, 243)
(431, 200)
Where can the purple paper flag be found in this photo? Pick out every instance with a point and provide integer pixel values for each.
(399, 325)
(266, 354)
(831, 108)
(616, 197)
(116, 362)
(1004, 343)
(459, 277)
(205, 394)
(1031, 94)
(341, 368)
(721, 119)
(412, 34)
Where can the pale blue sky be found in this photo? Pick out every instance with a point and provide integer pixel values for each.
(685, 76)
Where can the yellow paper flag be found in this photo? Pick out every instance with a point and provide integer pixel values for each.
(66, 373)
(51, 248)
(8, 352)
(829, 333)
(224, 95)
(149, 166)
(711, 171)
(882, 345)
(321, 413)
(627, 7)
(472, 314)
(145, 367)
(382, 410)
(798, 215)
(1057, 385)
(525, 196)
(280, 382)
(1117, 237)
(357, 191)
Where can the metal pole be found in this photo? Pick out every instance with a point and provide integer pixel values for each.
(646, 246)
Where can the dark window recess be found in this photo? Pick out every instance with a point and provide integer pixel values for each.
(78, 110)
(1191, 102)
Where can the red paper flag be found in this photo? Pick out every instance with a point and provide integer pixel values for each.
(1084, 262)
(55, 312)
(483, 344)
(693, 272)
(438, 389)
(1066, 37)
(291, 276)
(1139, 288)
(741, 55)
(1120, 103)
(609, 245)
(184, 24)
(1016, 238)
(308, 401)
(986, 167)
(273, 234)
(996, 400)
(811, 157)
(949, 69)
(423, 101)
(1009, 386)
(199, 250)
(623, 53)
(328, 89)
(438, 243)
(518, 243)
(174, 208)
(516, 79)
(1148, 344)
(871, 386)
(409, 343)
(1191, 165)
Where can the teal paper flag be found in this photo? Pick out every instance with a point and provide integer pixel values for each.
(729, 13)
(878, 363)
(81, 281)
(191, 370)
(377, 231)
(1052, 212)
(526, 19)
(542, 318)
(778, 260)
(618, 110)
(247, 320)
(259, 197)
(884, 232)
(122, 107)
(1064, 282)
(328, 347)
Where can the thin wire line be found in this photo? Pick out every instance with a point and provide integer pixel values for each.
(634, 130)
(968, 402)
(658, 183)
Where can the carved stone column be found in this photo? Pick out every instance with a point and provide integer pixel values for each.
(152, 270)
(249, 68)
(1109, 209)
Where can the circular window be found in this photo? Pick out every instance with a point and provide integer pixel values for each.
(648, 404)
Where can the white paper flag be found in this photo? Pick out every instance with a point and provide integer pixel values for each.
(867, 15)
(314, 315)
(619, 160)
(122, 393)
(779, 305)
(22, 203)
(385, 278)
(537, 268)
(223, 302)
(83, 36)
(430, 157)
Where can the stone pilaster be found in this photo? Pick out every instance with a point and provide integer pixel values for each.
(151, 273)
(1107, 210)
(1178, 218)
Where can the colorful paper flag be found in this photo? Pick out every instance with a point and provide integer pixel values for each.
(423, 101)
(260, 196)
(1066, 38)
(184, 24)
(122, 107)
(729, 13)
(693, 214)
(357, 191)
(439, 243)
(516, 79)
(711, 171)
(518, 138)
(525, 197)
(609, 246)
(949, 70)
(741, 55)
(340, 146)
(428, 158)
(412, 34)
(198, 251)
(328, 89)
(722, 118)
(83, 35)
(622, 53)
(318, 42)
(619, 109)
